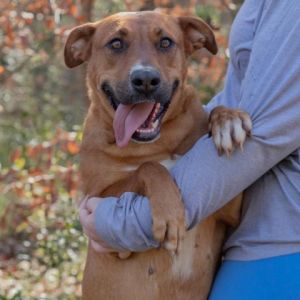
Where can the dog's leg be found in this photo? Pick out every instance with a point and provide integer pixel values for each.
(167, 208)
(229, 128)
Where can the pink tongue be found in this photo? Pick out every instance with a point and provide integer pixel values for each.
(128, 118)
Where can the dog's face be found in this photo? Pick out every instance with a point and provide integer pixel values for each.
(137, 63)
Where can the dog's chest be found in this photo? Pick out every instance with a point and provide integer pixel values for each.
(183, 262)
(182, 266)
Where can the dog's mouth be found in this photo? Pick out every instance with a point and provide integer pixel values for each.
(140, 122)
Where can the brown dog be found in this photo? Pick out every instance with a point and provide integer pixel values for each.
(143, 112)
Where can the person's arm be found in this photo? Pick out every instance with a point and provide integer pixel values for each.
(271, 95)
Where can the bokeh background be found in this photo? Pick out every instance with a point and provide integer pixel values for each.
(42, 107)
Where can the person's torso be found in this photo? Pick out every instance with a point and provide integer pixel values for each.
(271, 206)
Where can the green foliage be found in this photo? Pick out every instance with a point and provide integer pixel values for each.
(208, 13)
(41, 243)
(36, 93)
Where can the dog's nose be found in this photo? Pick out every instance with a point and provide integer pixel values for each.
(145, 80)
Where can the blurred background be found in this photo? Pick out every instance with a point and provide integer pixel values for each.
(42, 107)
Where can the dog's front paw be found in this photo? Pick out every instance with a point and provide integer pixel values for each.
(168, 213)
(169, 219)
(229, 128)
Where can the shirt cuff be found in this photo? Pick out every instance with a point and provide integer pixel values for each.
(125, 223)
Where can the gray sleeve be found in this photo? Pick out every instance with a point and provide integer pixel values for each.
(231, 93)
(125, 223)
(271, 95)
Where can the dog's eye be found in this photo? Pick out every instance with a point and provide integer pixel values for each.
(165, 43)
(116, 44)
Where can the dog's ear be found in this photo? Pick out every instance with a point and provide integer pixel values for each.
(197, 34)
(78, 45)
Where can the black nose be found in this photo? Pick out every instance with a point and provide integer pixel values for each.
(145, 80)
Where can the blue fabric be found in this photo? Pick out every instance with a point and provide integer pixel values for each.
(276, 278)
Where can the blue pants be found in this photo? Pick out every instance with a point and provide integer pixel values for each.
(276, 278)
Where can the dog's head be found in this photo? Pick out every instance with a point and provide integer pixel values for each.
(137, 64)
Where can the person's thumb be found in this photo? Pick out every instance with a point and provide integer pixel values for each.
(92, 203)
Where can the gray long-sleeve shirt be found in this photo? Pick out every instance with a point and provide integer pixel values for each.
(263, 79)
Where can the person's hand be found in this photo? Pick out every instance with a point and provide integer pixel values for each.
(87, 210)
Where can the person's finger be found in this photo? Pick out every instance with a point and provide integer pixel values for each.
(83, 216)
(82, 202)
(86, 220)
(99, 248)
(89, 231)
(88, 226)
(92, 203)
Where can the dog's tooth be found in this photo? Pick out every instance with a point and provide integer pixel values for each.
(155, 124)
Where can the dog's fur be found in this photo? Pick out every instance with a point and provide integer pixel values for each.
(107, 169)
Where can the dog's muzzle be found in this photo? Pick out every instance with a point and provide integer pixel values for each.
(139, 113)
